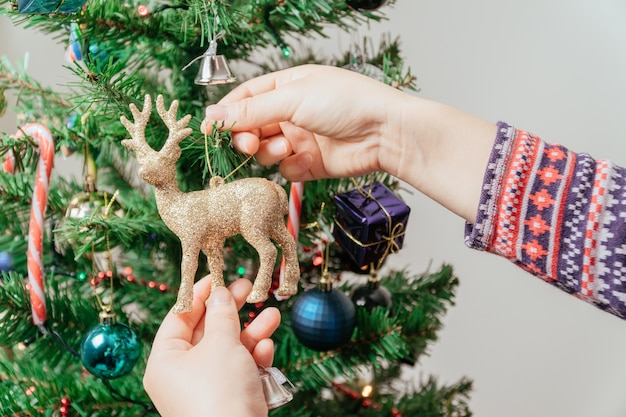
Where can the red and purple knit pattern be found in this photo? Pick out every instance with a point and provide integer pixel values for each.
(559, 215)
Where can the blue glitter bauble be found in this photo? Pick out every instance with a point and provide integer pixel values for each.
(110, 350)
(323, 320)
(6, 262)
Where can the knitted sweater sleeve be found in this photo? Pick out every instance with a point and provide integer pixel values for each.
(557, 214)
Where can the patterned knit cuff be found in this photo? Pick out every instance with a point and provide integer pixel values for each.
(479, 234)
(557, 214)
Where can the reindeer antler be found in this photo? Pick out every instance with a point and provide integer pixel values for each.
(137, 130)
(178, 128)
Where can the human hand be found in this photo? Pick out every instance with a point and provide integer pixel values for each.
(201, 364)
(318, 121)
(328, 122)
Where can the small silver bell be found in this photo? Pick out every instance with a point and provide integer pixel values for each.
(276, 387)
(213, 68)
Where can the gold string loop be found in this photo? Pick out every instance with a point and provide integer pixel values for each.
(106, 308)
(208, 159)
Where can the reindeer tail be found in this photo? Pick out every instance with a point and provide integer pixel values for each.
(283, 202)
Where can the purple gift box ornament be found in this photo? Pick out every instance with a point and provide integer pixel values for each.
(370, 223)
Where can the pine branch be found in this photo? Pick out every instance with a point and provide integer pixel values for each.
(34, 102)
(106, 90)
(379, 338)
(26, 389)
(431, 399)
(24, 380)
(10, 80)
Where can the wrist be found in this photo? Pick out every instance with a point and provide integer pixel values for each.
(407, 137)
(439, 150)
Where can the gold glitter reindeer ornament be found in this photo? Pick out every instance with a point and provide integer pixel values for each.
(202, 220)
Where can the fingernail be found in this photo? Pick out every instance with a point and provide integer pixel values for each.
(277, 147)
(216, 112)
(220, 295)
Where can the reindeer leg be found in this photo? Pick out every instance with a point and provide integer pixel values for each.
(285, 241)
(188, 267)
(215, 258)
(267, 257)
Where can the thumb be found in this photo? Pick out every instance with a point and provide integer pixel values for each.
(222, 318)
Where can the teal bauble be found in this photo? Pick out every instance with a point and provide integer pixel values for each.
(110, 350)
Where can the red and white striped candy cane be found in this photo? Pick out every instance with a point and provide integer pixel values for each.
(293, 223)
(37, 214)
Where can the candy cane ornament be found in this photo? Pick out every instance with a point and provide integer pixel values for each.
(293, 223)
(37, 214)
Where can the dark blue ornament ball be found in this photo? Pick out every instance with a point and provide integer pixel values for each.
(110, 350)
(323, 320)
(6, 262)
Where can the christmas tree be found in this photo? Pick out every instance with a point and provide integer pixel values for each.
(94, 259)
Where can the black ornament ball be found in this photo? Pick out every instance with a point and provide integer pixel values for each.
(372, 295)
(366, 5)
(323, 320)
(110, 350)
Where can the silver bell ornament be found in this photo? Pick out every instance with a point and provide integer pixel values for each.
(276, 387)
(213, 68)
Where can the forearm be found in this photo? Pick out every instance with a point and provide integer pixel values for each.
(440, 151)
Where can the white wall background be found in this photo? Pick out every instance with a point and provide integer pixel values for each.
(556, 68)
